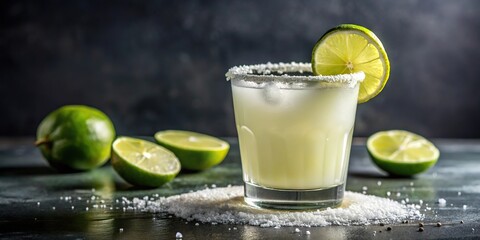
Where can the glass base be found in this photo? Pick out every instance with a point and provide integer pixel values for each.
(293, 199)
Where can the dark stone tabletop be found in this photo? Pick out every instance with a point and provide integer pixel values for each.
(33, 205)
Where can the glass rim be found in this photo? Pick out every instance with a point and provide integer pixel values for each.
(263, 73)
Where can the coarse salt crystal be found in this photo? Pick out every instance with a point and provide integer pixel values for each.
(226, 205)
(178, 235)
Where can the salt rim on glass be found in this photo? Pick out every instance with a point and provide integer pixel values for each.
(279, 72)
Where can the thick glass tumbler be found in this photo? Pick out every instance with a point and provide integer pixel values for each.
(295, 133)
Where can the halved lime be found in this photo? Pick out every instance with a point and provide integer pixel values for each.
(350, 48)
(195, 151)
(143, 163)
(401, 152)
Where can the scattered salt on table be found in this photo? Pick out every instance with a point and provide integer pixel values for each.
(226, 205)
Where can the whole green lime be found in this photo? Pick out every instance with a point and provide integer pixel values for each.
(76, 137)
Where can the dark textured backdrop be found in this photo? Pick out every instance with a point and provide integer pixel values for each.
(153, 65)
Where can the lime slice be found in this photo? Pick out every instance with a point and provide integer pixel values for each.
(350, 48)
(402, 153)
(195, 151)
(143, 163)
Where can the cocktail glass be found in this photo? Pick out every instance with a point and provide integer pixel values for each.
(295, 133)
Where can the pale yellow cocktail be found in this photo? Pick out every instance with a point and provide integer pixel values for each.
(295, 129)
